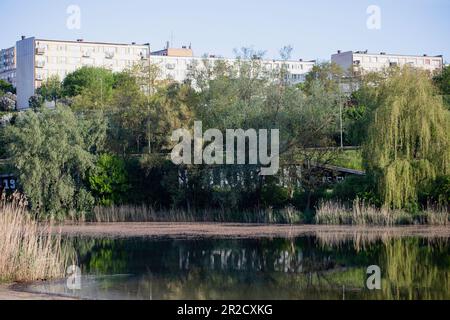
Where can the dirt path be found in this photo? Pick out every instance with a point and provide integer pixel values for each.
(7, 292)
(233, 230)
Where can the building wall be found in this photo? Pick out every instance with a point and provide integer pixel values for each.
(179, 68)
(368, 62)
(8, 65)
(25, 75)
(39, 59)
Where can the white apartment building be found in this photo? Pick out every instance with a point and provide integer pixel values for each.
(178, 68)
(8, 65)
(360, 62)
(39, 59)
(32, 61)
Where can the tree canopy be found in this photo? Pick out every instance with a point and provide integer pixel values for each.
(408, 141)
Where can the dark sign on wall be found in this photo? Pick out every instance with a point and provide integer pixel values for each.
(8, 183)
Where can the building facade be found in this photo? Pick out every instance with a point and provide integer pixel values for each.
(360, 62)
(173, 65)
(8, 65)
(39, 59)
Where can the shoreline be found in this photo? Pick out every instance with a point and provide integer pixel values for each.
(8, 291)
(199, 230)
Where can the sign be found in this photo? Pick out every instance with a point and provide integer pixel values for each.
(7, 183)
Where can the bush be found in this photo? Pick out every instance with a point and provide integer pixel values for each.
(273, 195)
(437, 192)
(109, 180)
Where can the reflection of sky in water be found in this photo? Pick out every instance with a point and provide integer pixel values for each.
(301, 268)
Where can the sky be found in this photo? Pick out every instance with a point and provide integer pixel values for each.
(315, 29)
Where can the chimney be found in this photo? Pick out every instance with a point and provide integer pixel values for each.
(133, 43)
(23, 37)
(79, 40)
(339, 51)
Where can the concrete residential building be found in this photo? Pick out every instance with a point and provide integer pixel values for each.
(178, 64)
(360, 62)
(39, 59)
(32, 61)
(8, 65)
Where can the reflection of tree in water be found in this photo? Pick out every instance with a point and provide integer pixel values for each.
(299, 268)
(416, 269)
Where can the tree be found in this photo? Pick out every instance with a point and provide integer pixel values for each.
(6, 87)
(109, 180)
(8, 102)
(408, 139)
(51, 89)
(91, 86)
(329, 74)
(442, 81)
(52, 151)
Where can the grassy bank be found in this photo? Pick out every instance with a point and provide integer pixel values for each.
(327, 212)
(28, 249)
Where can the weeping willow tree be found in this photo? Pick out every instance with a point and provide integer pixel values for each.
(409, 137)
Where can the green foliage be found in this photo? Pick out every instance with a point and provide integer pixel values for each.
(36, 102)
(6, 87)
(51, 89)
(442, 82)
(91, 87)
(351, 159)
(109, 180)
(8, 102)
(274, 195)
(329, 75)
(438, 191)
(52, 151)
(408, 142)
(353, 187)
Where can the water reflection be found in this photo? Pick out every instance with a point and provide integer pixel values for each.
(302, 268)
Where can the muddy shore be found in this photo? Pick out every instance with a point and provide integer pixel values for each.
(234, 230)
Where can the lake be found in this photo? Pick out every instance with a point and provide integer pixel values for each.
(306, 267)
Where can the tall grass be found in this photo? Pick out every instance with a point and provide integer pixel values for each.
(360, 213)
(28, 250)
(143, 213)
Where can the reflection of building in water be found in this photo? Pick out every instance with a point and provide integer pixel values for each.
(227, 259)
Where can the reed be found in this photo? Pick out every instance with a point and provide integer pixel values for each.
(360, 213)
(28, 249)
(143, 213)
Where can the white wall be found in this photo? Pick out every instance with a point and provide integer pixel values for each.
(25, 71)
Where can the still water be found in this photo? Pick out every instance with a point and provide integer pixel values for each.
(300, 268)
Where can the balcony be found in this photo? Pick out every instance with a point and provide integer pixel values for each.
(40, 64)
(40, 50)
(109, 55)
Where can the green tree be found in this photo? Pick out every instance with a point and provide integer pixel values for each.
(6, 87)
(51, 89)
(91, 87)
(408, 141)
(109, 180)
(442, 82)
(52, 151)
(328, 74)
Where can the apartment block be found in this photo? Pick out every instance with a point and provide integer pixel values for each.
(39, 59)
(360, 62)
(178, 64)
(8, 65)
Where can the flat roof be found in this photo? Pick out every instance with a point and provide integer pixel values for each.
(388, 54)
(93, 42)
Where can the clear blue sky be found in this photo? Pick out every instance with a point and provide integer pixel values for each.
(315, 29)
